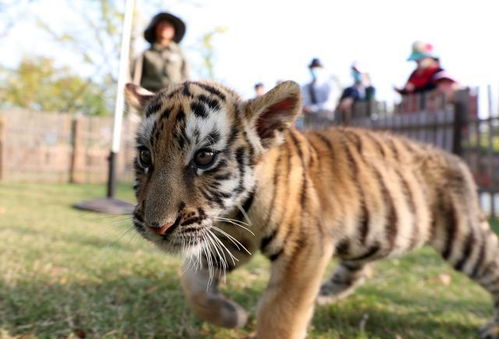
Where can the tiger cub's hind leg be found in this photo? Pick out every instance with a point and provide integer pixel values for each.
(474, 252)
(486, 273)
(347, 276)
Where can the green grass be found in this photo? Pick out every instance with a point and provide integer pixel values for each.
(65, 273)
(484, 144)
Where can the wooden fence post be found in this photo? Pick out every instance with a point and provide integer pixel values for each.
(76, 151)
(461, 116)
(490, 148)
(2, 147)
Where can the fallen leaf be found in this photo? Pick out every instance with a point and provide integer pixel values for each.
(444, 279)
(80, 333)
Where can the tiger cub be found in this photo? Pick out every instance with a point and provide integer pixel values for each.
(218, 179)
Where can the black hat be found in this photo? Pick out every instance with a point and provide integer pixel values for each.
(149, 33)
(315, 63)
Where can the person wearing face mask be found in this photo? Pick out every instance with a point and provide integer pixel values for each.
(360, 91)
(164, 62)
(318, 99)
(428, 75)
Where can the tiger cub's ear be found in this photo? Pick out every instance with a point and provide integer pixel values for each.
(137, 97)
(274, 112)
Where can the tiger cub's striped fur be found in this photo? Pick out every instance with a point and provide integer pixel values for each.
(219, 178)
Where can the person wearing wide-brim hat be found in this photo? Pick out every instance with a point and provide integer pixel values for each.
(164, 62)
(428, 75)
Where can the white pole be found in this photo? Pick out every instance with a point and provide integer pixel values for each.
(123, 75)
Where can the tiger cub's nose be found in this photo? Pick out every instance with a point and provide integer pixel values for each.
(160, 230)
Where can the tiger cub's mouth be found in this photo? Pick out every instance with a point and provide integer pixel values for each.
(181, 235)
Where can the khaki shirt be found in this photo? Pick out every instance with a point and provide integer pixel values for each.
(158, 67)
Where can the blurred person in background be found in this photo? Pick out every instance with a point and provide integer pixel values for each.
(164, 62)
(428, 75)
(360, 91)
(318, 101)
(259, 89)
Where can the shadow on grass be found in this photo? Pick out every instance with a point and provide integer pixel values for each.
(348, 322)
(385, 313)
(131, 306)
(149, 306)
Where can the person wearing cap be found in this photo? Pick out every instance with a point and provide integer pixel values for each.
(428, 75)
(164, 62)
(259, 89)
(360, 91)
(318, 101)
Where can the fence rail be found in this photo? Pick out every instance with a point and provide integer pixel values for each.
(454, 126)
(43, 147)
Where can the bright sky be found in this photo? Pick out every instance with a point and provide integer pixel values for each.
(269, 40)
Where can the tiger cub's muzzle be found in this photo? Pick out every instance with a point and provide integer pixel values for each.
(186, 221)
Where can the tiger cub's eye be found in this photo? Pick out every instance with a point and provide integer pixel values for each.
(204, 158)
(145, 157)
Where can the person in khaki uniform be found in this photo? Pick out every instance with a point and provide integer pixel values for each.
(164, 62)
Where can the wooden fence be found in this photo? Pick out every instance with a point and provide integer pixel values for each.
(442, 125)
(452, 125)
(480, 149)
(44, 147)
(50, 147)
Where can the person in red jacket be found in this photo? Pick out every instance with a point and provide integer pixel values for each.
(428, 75)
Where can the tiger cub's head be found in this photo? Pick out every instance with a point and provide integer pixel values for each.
(197, 148)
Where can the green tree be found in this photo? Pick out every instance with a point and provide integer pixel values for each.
(95, 37)
(208, 51)
(38, 84)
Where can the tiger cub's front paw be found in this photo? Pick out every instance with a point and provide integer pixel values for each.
(218, 310)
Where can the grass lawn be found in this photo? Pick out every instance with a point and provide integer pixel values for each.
(68, 273)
